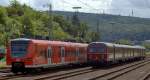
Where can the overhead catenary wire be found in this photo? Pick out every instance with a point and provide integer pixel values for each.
(86, 4)
(68, 3)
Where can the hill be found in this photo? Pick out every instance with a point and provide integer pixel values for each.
(115, 27)
(17, 20)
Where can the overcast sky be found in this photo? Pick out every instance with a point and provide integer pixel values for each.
(141, 8)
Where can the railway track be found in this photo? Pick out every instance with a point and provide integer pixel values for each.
(68, 73)
(80, 72)
(13, 77)
(117, 73)
(4, 70)
(146, 77)
(10, 76)
(64, 74)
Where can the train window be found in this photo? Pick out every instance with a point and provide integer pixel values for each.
(95, 49)
(19, 48)
(2, 51)
(62, 52)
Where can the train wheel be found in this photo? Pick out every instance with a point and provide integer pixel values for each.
(95, 66)
(35, 70)
(15, 71)
(23, 71)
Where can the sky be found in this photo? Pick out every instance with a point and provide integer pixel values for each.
(138, 8)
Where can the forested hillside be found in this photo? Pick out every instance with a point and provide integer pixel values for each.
(115, 27)
(18, 20)
(21, 20)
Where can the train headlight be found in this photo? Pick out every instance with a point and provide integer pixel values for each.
(28, 59)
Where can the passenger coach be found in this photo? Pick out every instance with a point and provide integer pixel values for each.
(23, 54)
(105, 53)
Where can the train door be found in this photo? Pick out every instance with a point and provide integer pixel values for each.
(49, 54)
(123, 53)
(62, 54)
(114, 52)
(77, 55)
(133, 53)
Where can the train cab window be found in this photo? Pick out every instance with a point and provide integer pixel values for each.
(19, 48)
(62, 52)
(49, 52)
(96, 49)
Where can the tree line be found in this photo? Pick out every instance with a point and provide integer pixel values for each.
(18, 20)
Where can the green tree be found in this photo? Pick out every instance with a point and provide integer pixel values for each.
(3, 15)
(15, 9)
(146, 45)
(17, 20)
(124, 41)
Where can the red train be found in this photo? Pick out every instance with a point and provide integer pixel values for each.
(107, 53)
(23, 54)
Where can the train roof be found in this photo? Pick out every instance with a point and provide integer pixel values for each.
(51, 42)
(119, 45)
(17, 39)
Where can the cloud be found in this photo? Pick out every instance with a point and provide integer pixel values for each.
(124, 7)
(4, 2)
(140, 3)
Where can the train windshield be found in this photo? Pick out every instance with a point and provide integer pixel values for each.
(19, 48)
(96, 48)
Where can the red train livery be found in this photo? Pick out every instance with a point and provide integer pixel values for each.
(106, 53)
(25, 53)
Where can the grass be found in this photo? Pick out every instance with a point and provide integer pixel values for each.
(2, 63)
(148, 54)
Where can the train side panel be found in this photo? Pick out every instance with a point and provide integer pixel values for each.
(27, 53)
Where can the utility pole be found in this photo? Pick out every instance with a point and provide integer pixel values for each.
(99, 22)
(98, 26)
(76, 21)
(132, 13)
(112, 26)
(76, 8)
(103, 11)
(51, 21)
(50, 25)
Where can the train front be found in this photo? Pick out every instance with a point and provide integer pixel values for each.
(97, 53)
(19, 55)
